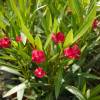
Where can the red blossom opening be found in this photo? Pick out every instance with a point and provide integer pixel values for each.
(72, 52)
(58, 38)
(38, 56)
(5, 42)
(39, 72)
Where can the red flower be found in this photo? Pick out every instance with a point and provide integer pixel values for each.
(95, 23)
(39, 72)
(38, 56)
(58, 38)
(18, 38)
(5, 42)
(72, 52)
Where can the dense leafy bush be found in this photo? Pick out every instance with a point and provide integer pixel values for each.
(52, 46)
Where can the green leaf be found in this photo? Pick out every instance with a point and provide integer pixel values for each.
(3, 21)
(6, 57)
(84, 47)
(49, 20)
(24, 55)
(84, 89)
(53, 57)
(68, 39)
(86, 2)
(14, 44)
(41, 7)
(88, 22)
(25, 30)
(48, 41)
(4, 63)
(87, 75)
(38, 42)
(95, 91)
(76, 92)
(55, 25)
(22, 7)
(76, 9)
(58, 81)
(49, 96)
(2, 25)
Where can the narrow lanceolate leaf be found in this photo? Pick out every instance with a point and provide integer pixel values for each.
(6, 57)
(87, 75)
(88, 21)
(76, 10)
(24, 28)
(55, 25)
(16, 89)
(22, 6)
(38, 42)
(3, 21)
(76, 92)
(84, 89)
(49, 96)
(58, 81)
(48, 41)
(68, 39)
(2, 25)
(41, 7)
(53, 57)
(49, 20)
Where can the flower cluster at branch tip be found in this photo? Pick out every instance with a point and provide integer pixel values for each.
(72, 52)
(5, 42)
(38, 56)
(18, 39)
(58, 37)
(39, 72)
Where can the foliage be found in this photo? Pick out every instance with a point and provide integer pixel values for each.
(40, 23)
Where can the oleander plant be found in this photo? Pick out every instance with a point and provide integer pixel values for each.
(51, 48)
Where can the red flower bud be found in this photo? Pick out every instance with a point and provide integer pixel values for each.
(38, 56)
(58, 38)
(72, 52)
(95, 23)
(18, 39)
(5, 42)
(39, 72)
